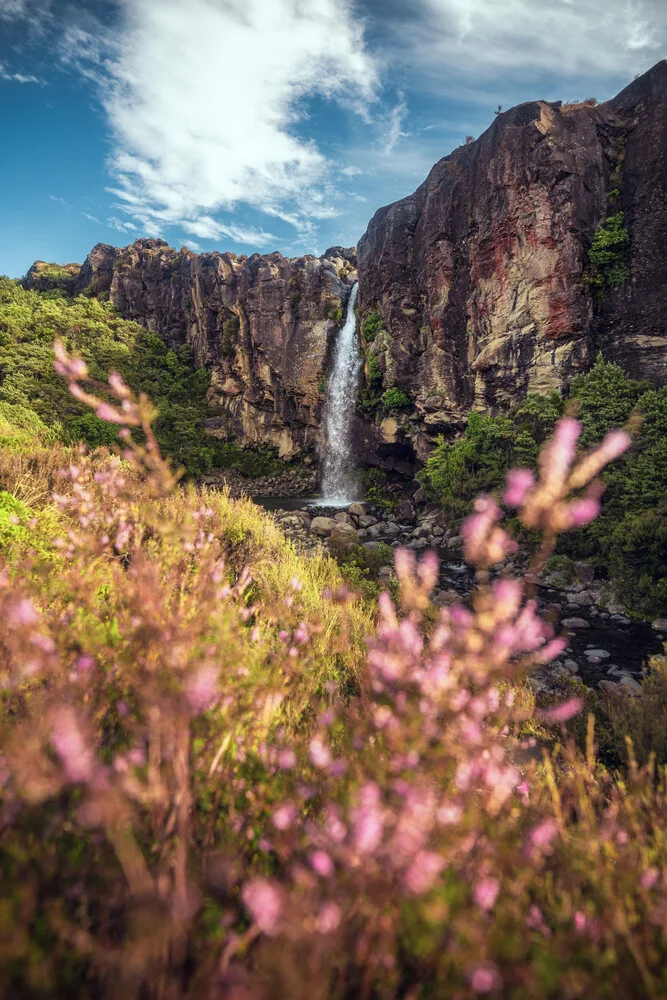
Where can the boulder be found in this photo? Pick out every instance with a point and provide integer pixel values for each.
(596, 654)
(358, 509)
(366, 520)
(584, 572)
(405, 513)
(575, 623)
(660, 625)
(322, 526)
(344, 518)
(631, 686)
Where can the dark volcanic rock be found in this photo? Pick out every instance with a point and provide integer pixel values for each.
(264, 325)
(478, 274)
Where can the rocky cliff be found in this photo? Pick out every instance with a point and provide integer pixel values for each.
(482, 279)
(477, 289)
(264, 325)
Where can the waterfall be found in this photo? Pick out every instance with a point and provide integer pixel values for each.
(339, 482)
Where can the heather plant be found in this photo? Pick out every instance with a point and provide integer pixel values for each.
(206, 794)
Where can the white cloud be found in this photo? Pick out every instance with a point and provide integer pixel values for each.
(395, 126)
(93, 218)
(6, 74)
(192, 245)
(207, 228)
(351, 171)
(61, 201)
(204, 98)
(522, 37)
(120, 226)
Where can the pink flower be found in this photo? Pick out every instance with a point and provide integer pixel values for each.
(23, 613)
(284, 816)
(566, 710)
(423, 872)
(486, 893)
(485, 978)
(649, 878)
(368, 825)
(322, 863)
(519, 482)
(320, 754)
(286, 759)
(328, 919)
(263, 900)
(70, 745)
(202, 688)
(581, 512)
(542, 834)
(557, 456)
(579, 922)
(110, 414)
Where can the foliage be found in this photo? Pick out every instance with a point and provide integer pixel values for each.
(251, 462)
(373, 373)
(608, 254)
(376, 492)
(629, 540)
(230, 336)
(396, 399)
(371, 325)
(211, 788)
(29, 323)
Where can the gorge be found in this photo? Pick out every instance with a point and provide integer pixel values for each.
(476, 290)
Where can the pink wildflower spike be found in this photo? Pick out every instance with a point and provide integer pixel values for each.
(558, 454)
(328, 919)
(427, 571)
(118, 386)
(319, 753)
(551, 651)
(284, 816)
(543, 834)
(581, 512)
(202, 689)
(422, 874)
(70, 745)
(486, 893)
(286, 760)
(263, 900)
(563, 712)
(579, 922)
(322, 864)
(519, 484)
(485, 978)
(404, 563)
(650, 878)
(23, 613)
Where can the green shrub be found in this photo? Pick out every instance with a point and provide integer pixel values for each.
(251, 462)
(607, 257)
(30, 321)
(230, 336)
(371, 325)
(396, 399)
(373, 373)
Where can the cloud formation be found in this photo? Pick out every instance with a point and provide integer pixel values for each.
(204, 99)
(520, 37)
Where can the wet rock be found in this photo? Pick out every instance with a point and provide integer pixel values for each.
(438, 531)
(631, 686)
(660, 625)
(620, 620)
(597, 654)
(575, 623)
(583, 599)
(571, 665)
(446, 597)
(344, 518)
(358, 509)
(405, 512)
(366, 520)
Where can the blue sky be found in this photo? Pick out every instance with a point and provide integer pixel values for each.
(260, 125)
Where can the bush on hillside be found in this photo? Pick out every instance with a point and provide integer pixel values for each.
(210, 789)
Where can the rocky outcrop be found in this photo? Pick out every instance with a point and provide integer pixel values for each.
(264, 326)
(477, 276)
(479, 283)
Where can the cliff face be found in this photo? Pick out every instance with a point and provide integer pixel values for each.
(480, 281)
(264, 325)
(477, 276)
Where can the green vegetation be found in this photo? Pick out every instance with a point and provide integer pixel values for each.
(396, 399)
(251, 462)
(230, 336)
(373, 373)
(629, 539)
(36, 397)
(608, 255)
(371, 325)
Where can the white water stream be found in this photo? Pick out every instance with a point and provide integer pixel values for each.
(339, 483)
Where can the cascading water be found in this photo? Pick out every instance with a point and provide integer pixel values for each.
(339, 481)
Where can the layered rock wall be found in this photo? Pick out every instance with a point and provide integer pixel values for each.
(264, 326)
(477, 276)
